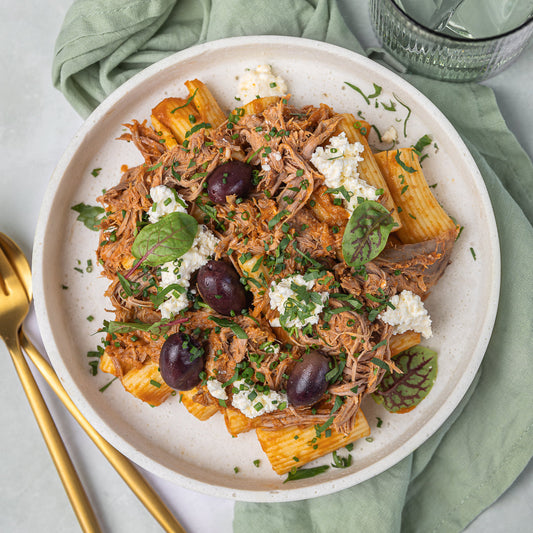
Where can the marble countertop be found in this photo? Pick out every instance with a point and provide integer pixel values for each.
(36, 126)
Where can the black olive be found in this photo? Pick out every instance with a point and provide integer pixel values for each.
(180, 362)
(233, 177)
(307, 381)
(221, 288)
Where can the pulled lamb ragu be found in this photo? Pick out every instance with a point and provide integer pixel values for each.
(274, 221)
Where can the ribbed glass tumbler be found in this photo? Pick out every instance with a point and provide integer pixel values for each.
(432, 54)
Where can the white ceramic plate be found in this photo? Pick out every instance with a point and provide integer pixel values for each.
(169, 441)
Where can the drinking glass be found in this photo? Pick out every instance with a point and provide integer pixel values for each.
(453, 40)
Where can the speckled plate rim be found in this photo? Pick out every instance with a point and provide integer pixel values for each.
(45, 319)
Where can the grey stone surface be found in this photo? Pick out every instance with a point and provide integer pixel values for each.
(36, 125)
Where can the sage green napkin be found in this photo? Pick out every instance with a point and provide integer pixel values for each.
(487, 441)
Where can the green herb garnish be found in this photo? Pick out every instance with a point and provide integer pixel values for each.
(226, 323)
(189, 100)
(407, 168)
(422, 143)
(304, 473)
(408, 114)
(341, 462)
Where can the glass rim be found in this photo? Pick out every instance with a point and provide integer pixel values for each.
(459, 39)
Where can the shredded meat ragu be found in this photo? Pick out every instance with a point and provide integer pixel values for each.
(286, 182)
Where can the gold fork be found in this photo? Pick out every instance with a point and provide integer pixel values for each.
(14, 305)
(122, 465)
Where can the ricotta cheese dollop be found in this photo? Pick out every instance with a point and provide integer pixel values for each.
(297, 312)
(338, 162)
(165, 201)
(216, 390)
(409, 314)
(260, 82)
(252, 402)
(179, 272)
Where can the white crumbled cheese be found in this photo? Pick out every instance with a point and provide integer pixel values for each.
(260, 82)
(338, 163)
(284, 299)
(180, 271)
(390, 136)
(173, 304)
(216, 389)
(165, 201)
(251, 402)
(409, 314)
(265, 167)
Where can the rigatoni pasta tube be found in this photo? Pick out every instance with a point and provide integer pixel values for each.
(205, 103)
(175, 115)
(403, 341)
(202, 412)
(294, 447)
(164, 132)
(421, 215)
(258, 105)
(237, 422)
(147, 384)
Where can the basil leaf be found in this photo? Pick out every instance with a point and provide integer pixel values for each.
(166, 240)
(225, 323)
(126, 327)
(366, 233)
(90, 215)
(403, 392)
(304, 473)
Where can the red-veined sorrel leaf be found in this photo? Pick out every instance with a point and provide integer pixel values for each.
(366, 233)
(403, 392)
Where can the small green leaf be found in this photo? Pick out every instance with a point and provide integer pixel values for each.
(157, 328)
(424, 141)
(366, 233)
(304, 473)
(166, 240)
(90, 215)
(402, 392)
(226, 323)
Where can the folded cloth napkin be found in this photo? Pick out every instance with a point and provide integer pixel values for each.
(479, 451)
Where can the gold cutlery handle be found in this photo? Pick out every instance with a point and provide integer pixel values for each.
(73, 487)
(122, 465)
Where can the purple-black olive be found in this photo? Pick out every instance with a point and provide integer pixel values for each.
(307, 381)
(180, 362)
(221, 288)
(233, 177)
